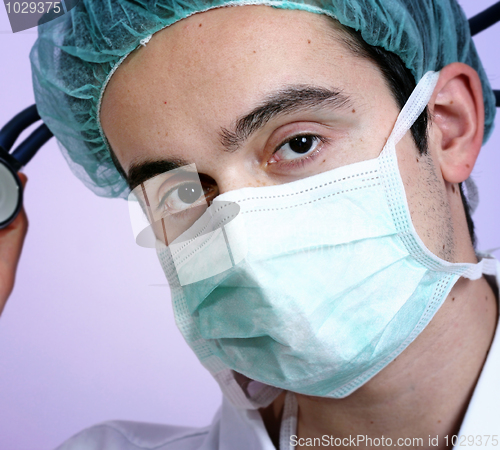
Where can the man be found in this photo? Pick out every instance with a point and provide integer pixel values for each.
(290, 96)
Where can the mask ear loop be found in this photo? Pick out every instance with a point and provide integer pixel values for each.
(389, 170)
(414, 107)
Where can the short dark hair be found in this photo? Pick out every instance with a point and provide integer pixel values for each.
(401, 83)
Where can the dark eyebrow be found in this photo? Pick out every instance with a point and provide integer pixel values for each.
(143, 170)
(286, 101)
(290, 100)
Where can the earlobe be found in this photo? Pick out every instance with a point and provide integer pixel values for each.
(457, 128)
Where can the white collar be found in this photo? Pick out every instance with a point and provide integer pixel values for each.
(483, 414)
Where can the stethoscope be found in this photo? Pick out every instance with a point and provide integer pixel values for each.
(11, 191)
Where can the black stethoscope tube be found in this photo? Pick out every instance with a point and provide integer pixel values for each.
(485, 19)
(15, 126)
(28, 148)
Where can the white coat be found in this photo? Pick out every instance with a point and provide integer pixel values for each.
(235, 429)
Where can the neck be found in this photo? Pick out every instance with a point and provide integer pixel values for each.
(425, 391)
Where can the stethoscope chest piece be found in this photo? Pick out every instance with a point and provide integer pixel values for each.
(11, 188)
(11, 194)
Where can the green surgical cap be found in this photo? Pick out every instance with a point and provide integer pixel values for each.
(76, 54)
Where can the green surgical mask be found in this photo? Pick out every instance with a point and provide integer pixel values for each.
(313, 286)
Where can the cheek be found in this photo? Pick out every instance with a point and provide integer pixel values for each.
(427, 200)
(360, 148)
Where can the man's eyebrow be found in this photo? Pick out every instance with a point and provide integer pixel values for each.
(143, 170)
(290, 100)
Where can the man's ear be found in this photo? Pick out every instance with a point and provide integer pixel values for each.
(457, 129)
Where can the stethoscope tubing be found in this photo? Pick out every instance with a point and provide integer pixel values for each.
(28, 148)
(485, 19)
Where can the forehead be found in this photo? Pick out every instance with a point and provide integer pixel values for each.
(200, 74)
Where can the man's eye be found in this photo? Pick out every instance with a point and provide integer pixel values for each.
(297, 147)
(182, 197)
(189, 193)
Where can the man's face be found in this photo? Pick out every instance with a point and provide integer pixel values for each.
(256, 96)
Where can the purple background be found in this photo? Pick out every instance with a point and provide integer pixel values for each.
(87, 334)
